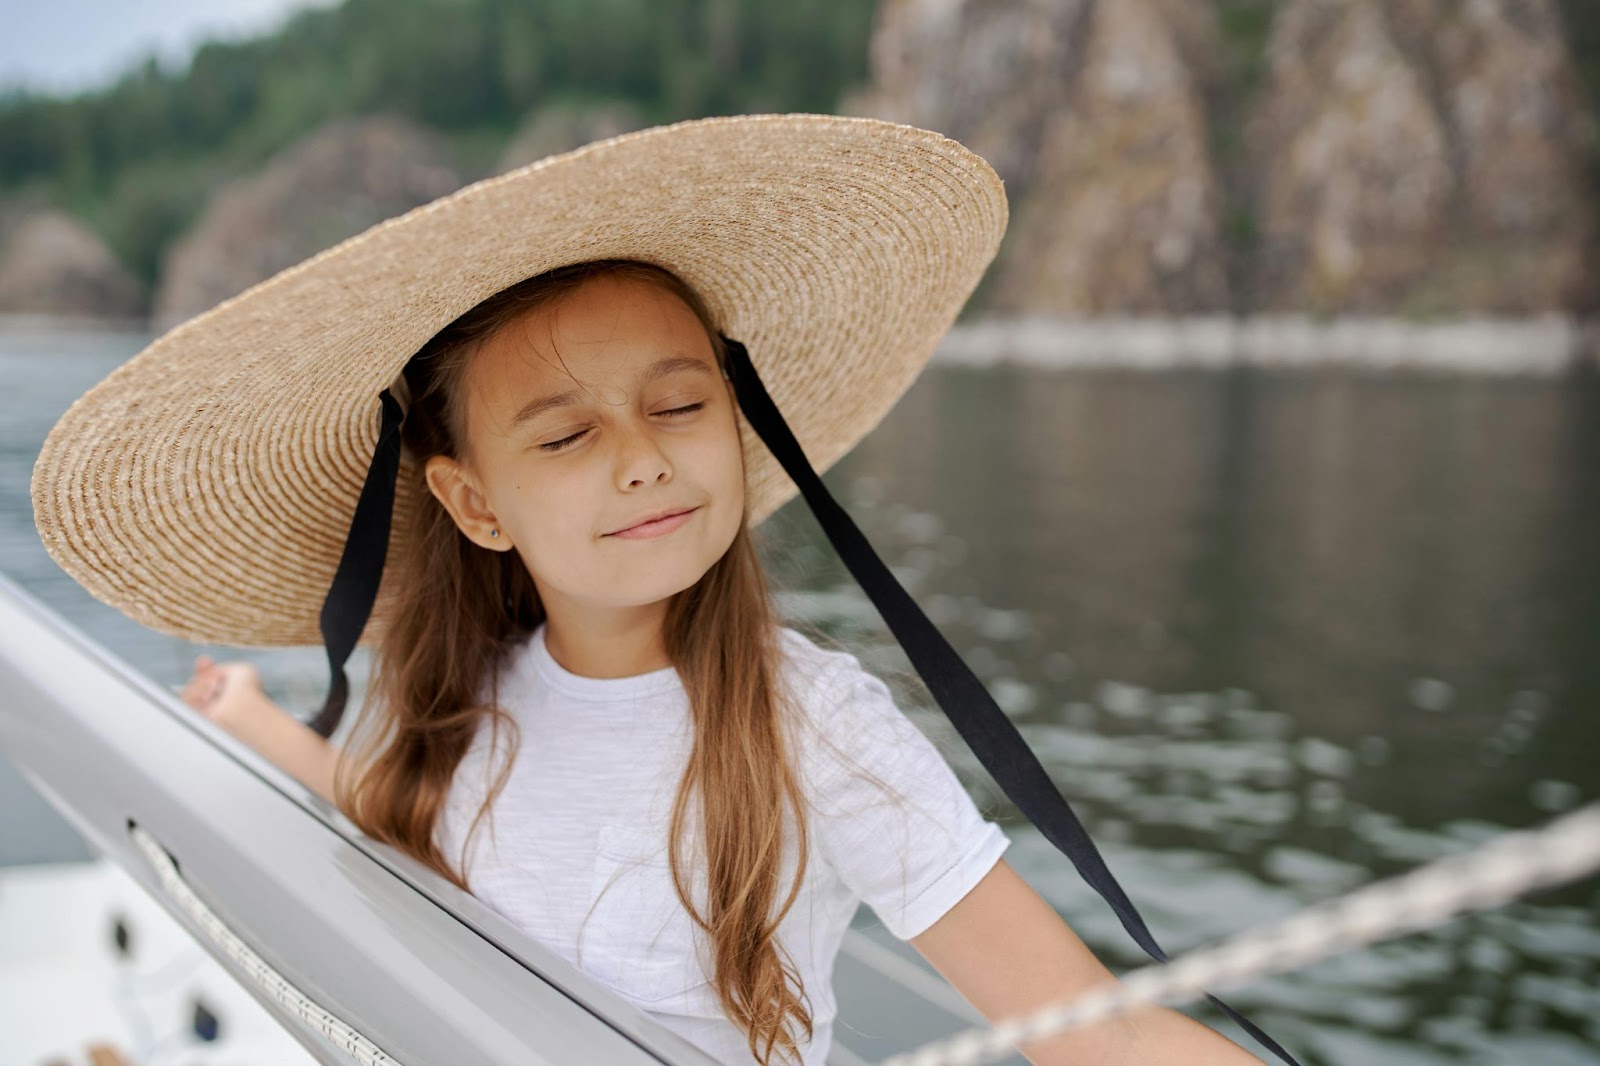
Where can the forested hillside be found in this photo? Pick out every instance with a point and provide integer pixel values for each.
(138, 159)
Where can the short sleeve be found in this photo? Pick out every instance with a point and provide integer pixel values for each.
(887, 812)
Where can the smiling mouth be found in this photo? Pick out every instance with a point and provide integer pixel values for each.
(654, 524)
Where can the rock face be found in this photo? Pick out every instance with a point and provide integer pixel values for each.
(1421, 155)
(989, 73)
(336, 182)
(553, 129)
(50, 263)
(1123, 208)
(1399, 156)
(1352, 165)
(1094, 114)
(1520, 132)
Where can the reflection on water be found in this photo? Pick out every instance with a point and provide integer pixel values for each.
(1274, 634)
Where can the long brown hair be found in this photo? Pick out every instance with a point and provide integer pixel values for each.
(458, 609)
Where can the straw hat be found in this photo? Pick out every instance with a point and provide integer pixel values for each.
(206, 487)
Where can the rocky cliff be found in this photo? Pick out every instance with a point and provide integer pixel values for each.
(335, 183)
(1424, 155)
(52, 264)
(1400, 156)
(331, 185)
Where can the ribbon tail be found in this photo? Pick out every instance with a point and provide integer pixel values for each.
(991, 735)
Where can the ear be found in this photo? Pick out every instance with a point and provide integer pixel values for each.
(453, 485)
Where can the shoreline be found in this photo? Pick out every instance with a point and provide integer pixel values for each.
(1542, 346)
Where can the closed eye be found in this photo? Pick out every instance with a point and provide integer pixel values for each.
(563, 442)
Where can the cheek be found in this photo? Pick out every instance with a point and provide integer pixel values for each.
(731, 488)
(548, 507)
(728, 441)
(718, 462)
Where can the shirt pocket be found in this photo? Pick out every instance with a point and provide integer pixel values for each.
(637, 938)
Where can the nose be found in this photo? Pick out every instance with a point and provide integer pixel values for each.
(640, 459)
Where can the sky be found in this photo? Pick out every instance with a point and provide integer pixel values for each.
(66, 46)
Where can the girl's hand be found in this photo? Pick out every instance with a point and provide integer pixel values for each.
(229, 694)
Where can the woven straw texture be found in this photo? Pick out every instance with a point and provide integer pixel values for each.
(205, 487)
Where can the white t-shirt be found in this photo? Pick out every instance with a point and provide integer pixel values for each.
(580, 830)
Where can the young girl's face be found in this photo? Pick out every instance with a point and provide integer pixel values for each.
(589, 416)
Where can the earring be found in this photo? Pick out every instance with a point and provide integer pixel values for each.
(494, 532)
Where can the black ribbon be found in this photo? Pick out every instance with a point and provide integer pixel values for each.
(991, 735)
(350, 597)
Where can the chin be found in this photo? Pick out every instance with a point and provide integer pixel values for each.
(652, 580)
(659, 588)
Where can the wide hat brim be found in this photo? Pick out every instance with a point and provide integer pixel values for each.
(205, 488)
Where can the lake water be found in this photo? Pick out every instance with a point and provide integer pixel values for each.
(1275, 634)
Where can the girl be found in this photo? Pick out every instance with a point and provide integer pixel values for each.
(533, 538)
(684, 797)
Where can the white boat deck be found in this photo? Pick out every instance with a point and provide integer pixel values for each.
(64, 986)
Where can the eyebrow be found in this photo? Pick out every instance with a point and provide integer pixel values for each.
(659, 369)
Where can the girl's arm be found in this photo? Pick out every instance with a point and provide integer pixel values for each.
(230, 694)
(1008, 953)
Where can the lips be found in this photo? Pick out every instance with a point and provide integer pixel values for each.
(651, 518)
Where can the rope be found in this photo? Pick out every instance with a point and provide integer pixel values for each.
(254, 966)
(1492, 874)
